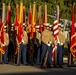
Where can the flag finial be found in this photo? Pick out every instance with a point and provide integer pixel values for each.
(34, 2)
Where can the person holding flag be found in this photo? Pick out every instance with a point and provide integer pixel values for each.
(6, 43)
(4, 37)
(73, 38)
(21, 38)
(60, 44)
(37, 44)
(47, 40)
(22, 47)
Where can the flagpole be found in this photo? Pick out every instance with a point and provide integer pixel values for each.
(72, 42)
(2, 32)
(20, 31)
(55, 54)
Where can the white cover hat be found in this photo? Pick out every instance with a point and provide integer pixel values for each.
(62, 26)
(37, 26)
(12, 24)
(46, 24)
(50, 26)
(5, 27)
(59, 24)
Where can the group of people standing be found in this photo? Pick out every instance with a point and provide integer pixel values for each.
(34, 51)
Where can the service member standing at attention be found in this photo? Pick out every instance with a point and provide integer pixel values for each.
(47, 41)
(6, 40)
(38, 40)
(60, 44)
(23, 47)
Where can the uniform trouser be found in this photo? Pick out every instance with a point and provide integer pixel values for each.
(22, 52)
(59, 54)
(35, 53)
(5, 55)
(38, 56)
(62, 53)
(44, 48)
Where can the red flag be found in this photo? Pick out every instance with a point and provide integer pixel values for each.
(8, 20)
(16, 26)
(20, 29)
(2, 39)
(2, 29)
(45, 14)
(73, 36)
(17, 19)
(19, 24)
(33, 20)
(40, 20)
(23, 14)
(29, 21)
(30, 16)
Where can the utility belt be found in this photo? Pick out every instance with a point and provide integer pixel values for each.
(22, 43)
(59, 44)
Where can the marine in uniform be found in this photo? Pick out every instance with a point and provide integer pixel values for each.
(11, 46)
(6, 42)
(60, 45)
(47, 39)
(38, 44)
(23, 47)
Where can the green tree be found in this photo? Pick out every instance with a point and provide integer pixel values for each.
(64, 5)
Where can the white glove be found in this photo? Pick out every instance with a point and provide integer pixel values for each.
(23, 41)
(55, 47)
(48, 44)
(3, 44)
(61, 44)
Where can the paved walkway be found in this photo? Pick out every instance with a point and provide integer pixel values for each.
(8, 69)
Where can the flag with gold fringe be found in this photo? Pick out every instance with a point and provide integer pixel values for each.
(2, 30)
(73, 36)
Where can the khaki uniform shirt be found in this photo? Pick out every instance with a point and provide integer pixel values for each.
(38, 37)
(47, 36)
(61, 37)
(25, 38)
(6, 39)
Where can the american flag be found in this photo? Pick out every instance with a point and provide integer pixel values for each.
(55, 27)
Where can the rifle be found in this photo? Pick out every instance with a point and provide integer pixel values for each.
(45, 58)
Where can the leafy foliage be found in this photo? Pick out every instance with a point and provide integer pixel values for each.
(65, 7)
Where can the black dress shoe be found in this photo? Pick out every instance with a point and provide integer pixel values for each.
(55, 66)
(49, 66)
(25, 64)
(6, 63)
(60, 66)
(1, 62)
(18, 64)
(43, 67)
